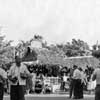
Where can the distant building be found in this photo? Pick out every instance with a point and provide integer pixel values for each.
(36, 44)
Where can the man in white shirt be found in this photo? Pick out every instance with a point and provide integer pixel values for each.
(96, 76)
(77, 82)
(17, 76)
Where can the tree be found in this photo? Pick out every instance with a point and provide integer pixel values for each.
(38, 37)
(96, 53)
(6, 50)
(94, 47)
(99, 47)
(74, 48)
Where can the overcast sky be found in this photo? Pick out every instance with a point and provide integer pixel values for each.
(57, 21)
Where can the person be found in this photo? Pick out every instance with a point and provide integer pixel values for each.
(29, 83)
(3, 77)
(64, 81)
(17, 75)
(47, 89)
(77, 82)
(96, 76)
(39, 83)
(82, 82)
(71, 86)
(33, 80)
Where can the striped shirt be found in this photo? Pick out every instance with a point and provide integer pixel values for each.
(15, 72)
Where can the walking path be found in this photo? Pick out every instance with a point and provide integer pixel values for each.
(51, 95)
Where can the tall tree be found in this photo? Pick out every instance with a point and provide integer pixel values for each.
(75, 48)
(6, 50)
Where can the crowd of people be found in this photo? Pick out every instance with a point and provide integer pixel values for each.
(22, 78)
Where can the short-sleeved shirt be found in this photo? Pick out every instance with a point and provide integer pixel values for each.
(77, 74)
(65, 78)
(96, 75)
(15, 72)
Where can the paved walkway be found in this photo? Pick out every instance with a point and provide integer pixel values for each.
(51, 97)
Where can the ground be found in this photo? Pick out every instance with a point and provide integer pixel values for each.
(52, 97)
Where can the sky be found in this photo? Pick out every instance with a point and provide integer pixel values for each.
(58, 21)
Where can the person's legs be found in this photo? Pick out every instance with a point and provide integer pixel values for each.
(75, 88)
(13, 93)
(61, 86)
(21, 92)
(31, 86)
(1, 91)
(97, 93)
(64, 86)
(71, 88)
(79, 89)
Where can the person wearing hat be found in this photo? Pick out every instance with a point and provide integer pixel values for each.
(17, 75)
(96, 76)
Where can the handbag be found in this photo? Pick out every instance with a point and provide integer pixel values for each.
(23, 76)
(13, 80)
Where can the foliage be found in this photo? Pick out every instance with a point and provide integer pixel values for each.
(38, 37)
(96, 53)
(6, 50)
(50, 53)
(75, 48)
(94, 47)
